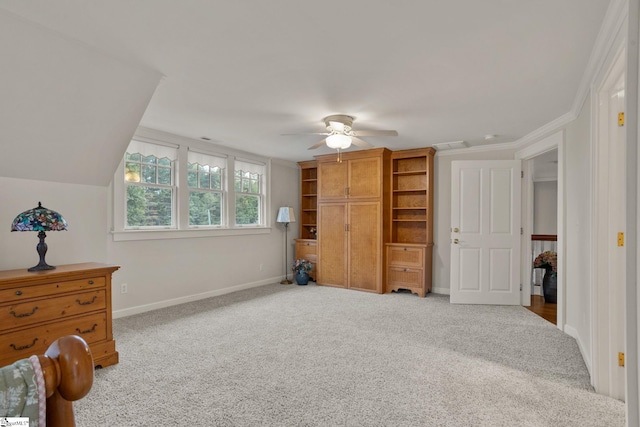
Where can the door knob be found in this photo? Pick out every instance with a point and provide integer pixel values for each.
(455, 230)
(455, 241)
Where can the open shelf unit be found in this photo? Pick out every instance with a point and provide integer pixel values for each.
(308, 199)
(409, 253)
(412, 198)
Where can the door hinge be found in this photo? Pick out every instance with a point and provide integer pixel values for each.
(621, 118)
(521, 231)
(521, 286)
(621, 239)
(521, 174)
(620, 359)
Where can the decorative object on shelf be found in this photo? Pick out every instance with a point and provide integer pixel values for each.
(313, 231)
(40, 219)
(285, 216)
(549, 261)
(302, 267)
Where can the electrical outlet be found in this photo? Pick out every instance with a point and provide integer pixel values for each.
(123, 288)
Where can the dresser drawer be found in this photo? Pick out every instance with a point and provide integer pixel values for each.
(410, 256)
(307, 249)
(43, 310)
(20, 293)
(35, 340)
(398, 277)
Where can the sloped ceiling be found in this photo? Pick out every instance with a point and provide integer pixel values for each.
(243, 73)
(67, 112)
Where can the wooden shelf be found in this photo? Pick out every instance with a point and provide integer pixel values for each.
(308, 199)
(411, 221)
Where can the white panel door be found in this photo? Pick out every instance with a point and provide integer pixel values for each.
(485, 232)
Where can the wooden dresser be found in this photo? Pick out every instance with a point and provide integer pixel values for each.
(38, 307)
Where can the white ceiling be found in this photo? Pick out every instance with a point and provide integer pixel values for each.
(243, 73)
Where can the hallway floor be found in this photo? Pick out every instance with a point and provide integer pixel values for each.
(542, 309)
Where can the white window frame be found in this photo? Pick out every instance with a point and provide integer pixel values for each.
(256, 167)
(211, 161)
(181, 211)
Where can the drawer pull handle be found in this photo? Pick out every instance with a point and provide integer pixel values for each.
(18, 293)
(91, 282)
(95, 297)
(404, 249)
(405, 270)
(95, 325)
(24, 347)
(24, 314)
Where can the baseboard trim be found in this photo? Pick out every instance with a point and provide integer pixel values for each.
(572, 332)
(438, 290)
(190, 298)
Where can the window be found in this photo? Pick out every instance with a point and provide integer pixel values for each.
(150, 187)
(169, 186)
(248, 190)
(205, 178)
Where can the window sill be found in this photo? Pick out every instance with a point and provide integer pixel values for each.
(131, 235)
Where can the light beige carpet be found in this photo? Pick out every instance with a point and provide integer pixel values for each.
(317, 356)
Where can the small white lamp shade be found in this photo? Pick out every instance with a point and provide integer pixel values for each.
(286, 215)
(338, 141)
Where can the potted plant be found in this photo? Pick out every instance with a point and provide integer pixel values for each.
(301, 268)
(549, 261)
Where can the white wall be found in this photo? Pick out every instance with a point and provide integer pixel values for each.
(160, 273)
(545, 207)
(65, 107)
(578, 209)
(84, 207)
(442, 210)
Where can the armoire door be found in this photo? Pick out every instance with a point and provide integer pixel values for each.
(365, 246)
(332, 244)
(332, 180)
(365, 178)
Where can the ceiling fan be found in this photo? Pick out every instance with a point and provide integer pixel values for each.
(340, 135)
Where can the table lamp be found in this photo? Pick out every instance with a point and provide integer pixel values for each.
(40, 219)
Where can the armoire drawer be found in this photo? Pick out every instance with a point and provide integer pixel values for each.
(399, 277)
(23, 343)
(19, 293)
(410, 256)
(31, 312)
(307, 249)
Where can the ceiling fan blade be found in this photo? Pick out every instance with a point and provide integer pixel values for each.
(360, 142)
(317, 144)
(375, 133)
(306, 133)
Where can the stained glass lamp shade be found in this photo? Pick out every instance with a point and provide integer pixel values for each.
(40, 219)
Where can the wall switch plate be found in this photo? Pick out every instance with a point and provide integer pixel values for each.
(124, 288)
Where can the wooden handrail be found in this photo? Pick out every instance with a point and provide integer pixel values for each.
(545, 237)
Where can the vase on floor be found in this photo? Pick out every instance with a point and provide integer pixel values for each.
(302, 278)
(550, 286)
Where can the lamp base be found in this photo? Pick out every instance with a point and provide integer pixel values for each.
(284, 282)
(42, 266)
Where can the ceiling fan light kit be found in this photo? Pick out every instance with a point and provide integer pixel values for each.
(338, 141)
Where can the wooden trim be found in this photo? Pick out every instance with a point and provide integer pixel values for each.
(545, 237)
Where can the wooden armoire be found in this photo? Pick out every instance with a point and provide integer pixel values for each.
(353, 222)
(372, 213)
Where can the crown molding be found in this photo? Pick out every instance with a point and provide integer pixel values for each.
(608, 37)
(477, 149)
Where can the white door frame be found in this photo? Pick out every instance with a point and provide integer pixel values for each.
(551, 142)
(604, 331)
